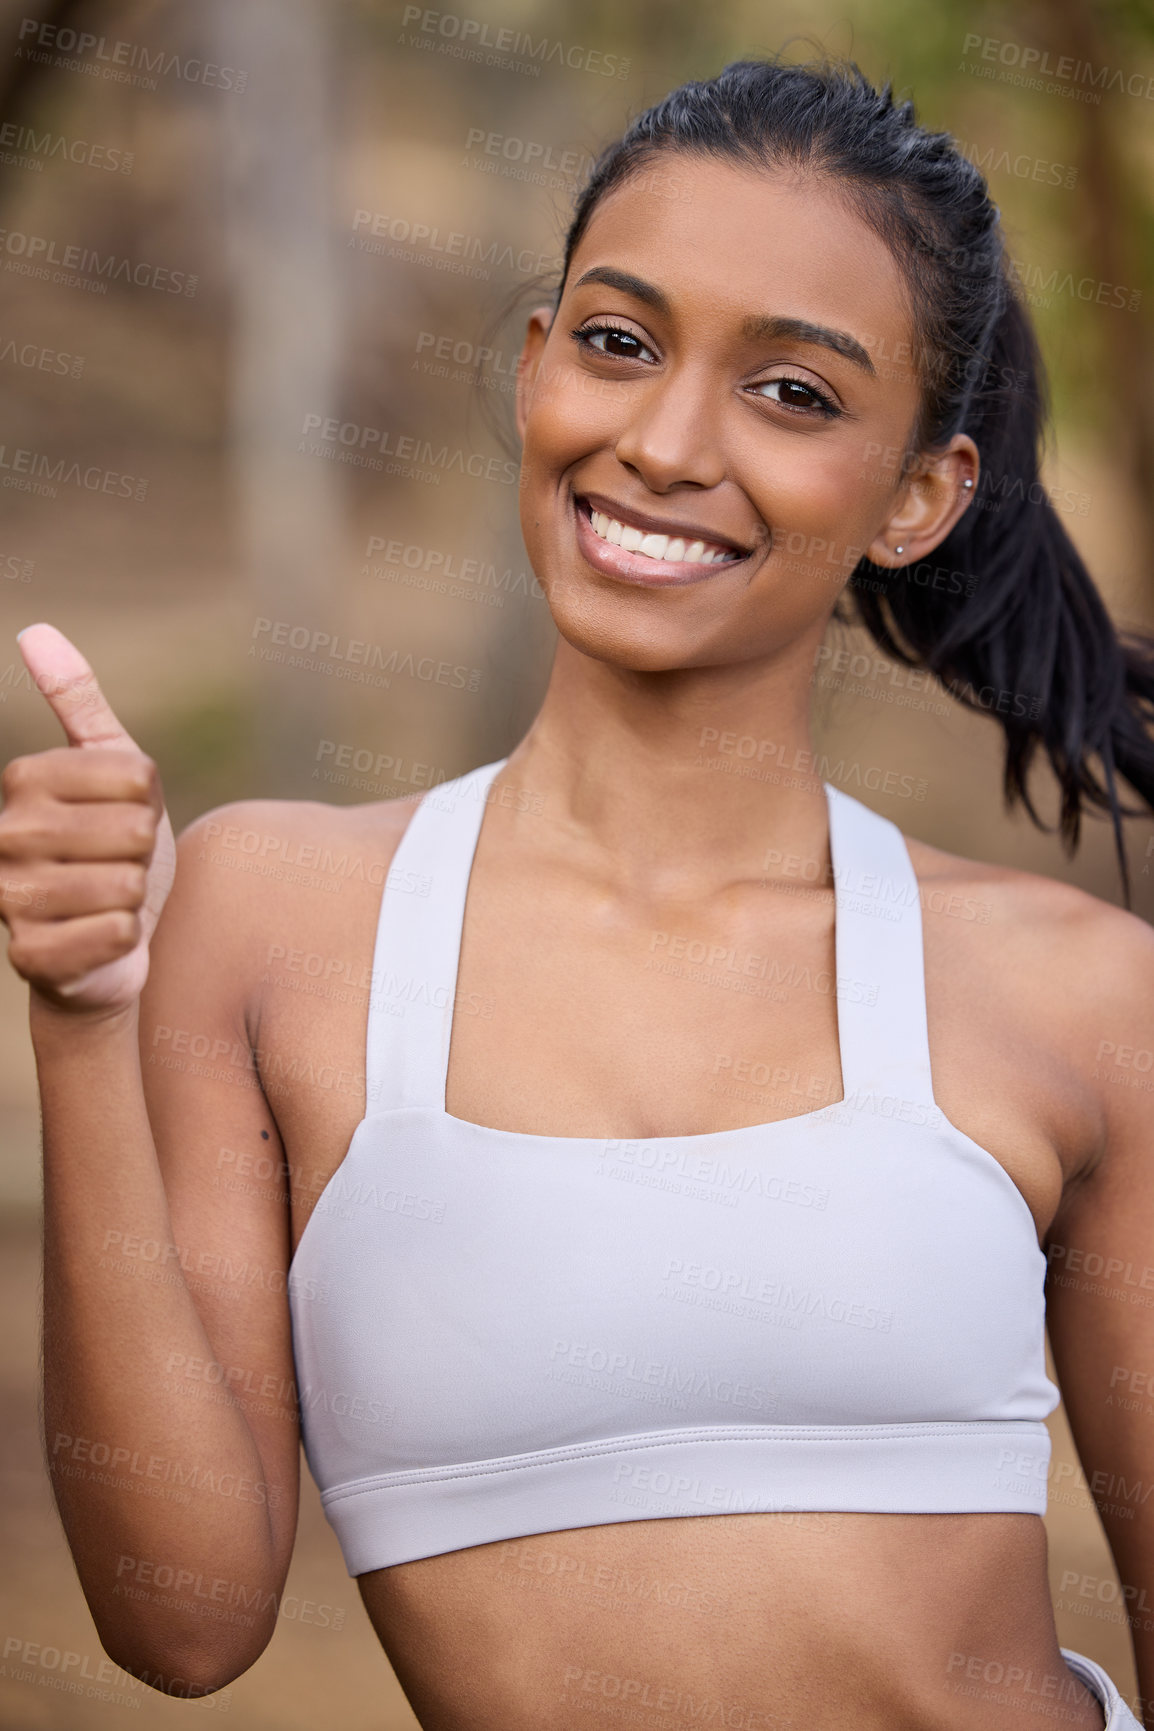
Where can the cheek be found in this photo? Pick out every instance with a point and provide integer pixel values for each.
(823, 513)
(571, 412)
(832, 493)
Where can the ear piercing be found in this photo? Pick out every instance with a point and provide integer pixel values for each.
(968, 482)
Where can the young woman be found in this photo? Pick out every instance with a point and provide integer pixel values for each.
(630, 1388)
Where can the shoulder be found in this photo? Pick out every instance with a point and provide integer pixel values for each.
(1067, 926)
(1076, 972)
(282, 845)
(259, 871)
(264, 828)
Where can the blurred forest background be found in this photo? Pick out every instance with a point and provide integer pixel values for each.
(224, 223)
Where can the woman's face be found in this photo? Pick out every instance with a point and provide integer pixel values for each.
(755, 392)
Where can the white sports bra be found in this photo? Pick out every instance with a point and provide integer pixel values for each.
(498, 1333)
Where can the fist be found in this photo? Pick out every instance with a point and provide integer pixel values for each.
(87, 853)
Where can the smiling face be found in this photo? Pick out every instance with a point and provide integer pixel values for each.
(713, 422)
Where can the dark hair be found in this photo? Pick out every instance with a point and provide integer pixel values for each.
(1020, 616)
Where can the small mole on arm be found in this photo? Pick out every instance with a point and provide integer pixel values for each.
(264, 1135)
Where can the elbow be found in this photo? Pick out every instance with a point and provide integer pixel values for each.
(186, 1682)
(186, 1672)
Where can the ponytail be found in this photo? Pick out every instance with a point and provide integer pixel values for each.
(1020, 632)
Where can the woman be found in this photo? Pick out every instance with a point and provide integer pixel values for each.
(625, 1394)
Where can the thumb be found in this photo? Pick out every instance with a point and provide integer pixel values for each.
(68, 684)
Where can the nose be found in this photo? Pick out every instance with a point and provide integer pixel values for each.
(671, 436)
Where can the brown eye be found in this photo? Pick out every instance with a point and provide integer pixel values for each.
(796, 394)
(612, 341)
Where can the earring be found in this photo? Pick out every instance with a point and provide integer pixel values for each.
(899, 549)
(967, 482)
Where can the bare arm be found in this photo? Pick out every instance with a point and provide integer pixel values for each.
(1100, 1281)
(180, 1510)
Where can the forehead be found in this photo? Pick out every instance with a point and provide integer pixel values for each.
(727, 240)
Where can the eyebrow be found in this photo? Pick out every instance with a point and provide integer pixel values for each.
(757, 327)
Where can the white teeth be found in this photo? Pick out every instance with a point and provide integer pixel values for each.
(671, 548)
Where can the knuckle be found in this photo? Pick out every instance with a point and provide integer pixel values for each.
(125, 930)
(133, 827)
(44, 957)
(18, 893)
(147, 773)
(133, 883)
(23, 951)
(16, 774)
(19, 839)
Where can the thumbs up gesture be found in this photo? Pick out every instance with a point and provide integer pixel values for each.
(87, 853)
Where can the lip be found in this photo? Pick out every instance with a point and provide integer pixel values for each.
(639, 567)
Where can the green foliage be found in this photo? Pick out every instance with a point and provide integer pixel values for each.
(204, 751)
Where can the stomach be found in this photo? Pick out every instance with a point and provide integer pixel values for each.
(744, 1622)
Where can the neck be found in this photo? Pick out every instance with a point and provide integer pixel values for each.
(690, 776)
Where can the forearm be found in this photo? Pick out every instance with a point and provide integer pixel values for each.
(1142, 1636)
(137, 1471)
(1132, 1545)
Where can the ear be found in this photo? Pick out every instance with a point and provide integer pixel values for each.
(540, 320)
(930, 501)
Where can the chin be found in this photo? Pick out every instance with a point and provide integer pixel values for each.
(626, 636)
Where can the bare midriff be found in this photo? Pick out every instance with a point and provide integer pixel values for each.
(822, 1621)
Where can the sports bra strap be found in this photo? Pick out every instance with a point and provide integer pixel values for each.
(418, 945)
(880, 975)
(881, 984)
